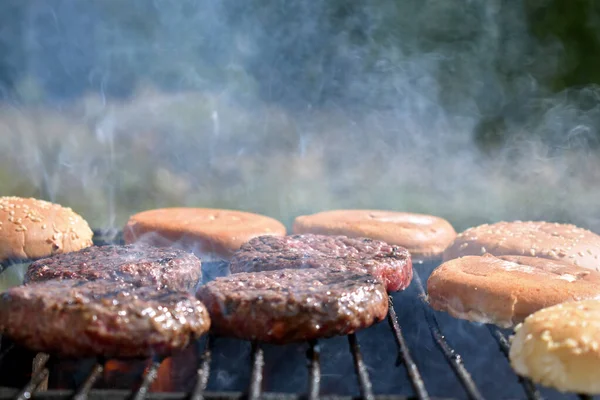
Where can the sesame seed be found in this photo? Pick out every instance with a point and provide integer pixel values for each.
(546, 337)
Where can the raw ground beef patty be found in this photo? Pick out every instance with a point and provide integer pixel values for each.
(392, 265)
(293, 305)
(140, 265)
(100, 318)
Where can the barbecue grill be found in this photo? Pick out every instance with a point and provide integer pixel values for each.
(417, 354)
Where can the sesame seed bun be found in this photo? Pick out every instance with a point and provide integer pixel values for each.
(210, 233)
(559, 347)
(554, 241)
(505, 290)
(31, 228)
(424, 236)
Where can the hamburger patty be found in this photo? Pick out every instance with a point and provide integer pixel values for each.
(100, 318)
(390, 264)
(136, 264)
(293, 305)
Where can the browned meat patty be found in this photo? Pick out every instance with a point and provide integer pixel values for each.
(136, 264)
(293, 305)
(83, 319)
(392, 265)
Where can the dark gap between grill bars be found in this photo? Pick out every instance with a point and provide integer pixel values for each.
(453, 358)
(530, 389)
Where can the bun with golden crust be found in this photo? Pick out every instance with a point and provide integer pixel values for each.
(505, 290)
(559, 347)
(554, 241)
(424, 236)
(32, 228)
(213, 233)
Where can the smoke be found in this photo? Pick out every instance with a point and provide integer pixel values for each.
(292, 107)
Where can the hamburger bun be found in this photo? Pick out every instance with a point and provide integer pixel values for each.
(559, 347)
(505, 290)
(549, 240)
(424, 236)
(211, 233)
(31, 229)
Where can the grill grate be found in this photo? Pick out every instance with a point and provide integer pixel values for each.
(203, 371)
(258, 362)
(39, 375)
(149, 377)
(88, 384)
(530, 389)
(404, 355)
(255, 390)
(314, 372)
(451, 355)
(366, 389)
(255, 387)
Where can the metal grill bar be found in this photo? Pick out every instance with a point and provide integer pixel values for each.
(258, 362)
(530, 389)
(404, 354)
(88, 384)
(453, 358)
(27, 392)
(366, 389)
(39, 375)
(149, 377)
(96, 394)
(203, 371)
(314, 370)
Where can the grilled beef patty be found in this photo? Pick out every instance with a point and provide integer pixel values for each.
(293, 305)
(136, 264)
(390, 264)
(100, 318)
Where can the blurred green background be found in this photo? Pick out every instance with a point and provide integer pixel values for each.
(473, 111)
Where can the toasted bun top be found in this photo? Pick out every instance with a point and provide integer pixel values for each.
(504, 290)
(567, 324)
(31, 228)
(559, 346)
(564, 242)
(212, 232)
(424, 236)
